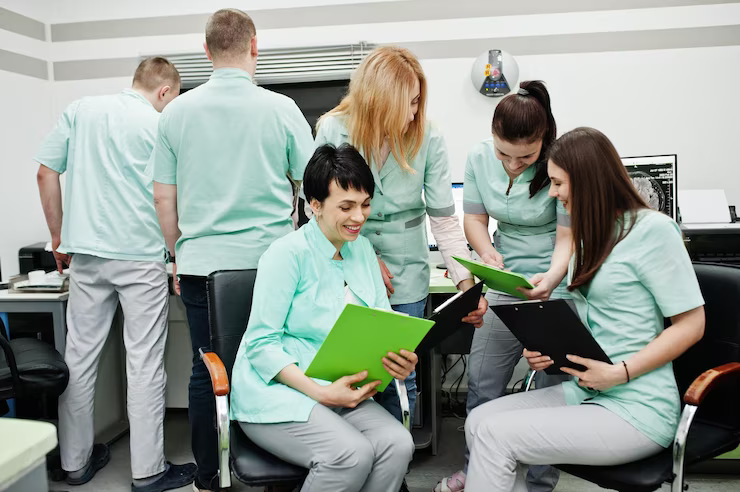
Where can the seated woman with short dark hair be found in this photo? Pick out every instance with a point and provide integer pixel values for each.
(346, 440)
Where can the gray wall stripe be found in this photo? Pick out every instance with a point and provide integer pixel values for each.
(20, 24)
(95, 69)
(527, 45)
(24, 65)
(697, 37)
(363, 13)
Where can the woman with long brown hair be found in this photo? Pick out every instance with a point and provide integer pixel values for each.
(384, 116)
(629, 271)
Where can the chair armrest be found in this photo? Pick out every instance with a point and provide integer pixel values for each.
(219, 377)
(220, 383)
(702, 385)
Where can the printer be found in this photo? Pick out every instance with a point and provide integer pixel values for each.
(35, 257)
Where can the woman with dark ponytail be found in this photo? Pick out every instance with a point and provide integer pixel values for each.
(506, 179)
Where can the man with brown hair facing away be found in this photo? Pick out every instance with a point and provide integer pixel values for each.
(109, 236)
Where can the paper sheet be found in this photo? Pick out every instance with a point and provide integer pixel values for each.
(703, 207)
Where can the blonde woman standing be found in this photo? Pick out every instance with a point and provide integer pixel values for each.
(383, 116)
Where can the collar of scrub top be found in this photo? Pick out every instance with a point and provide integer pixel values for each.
(230, 72)
(133, 93)
(323, 245)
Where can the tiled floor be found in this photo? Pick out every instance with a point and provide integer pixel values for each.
(426, 469)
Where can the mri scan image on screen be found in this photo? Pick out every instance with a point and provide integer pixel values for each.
(654, 178)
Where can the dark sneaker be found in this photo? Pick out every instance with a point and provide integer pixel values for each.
(175, 476)
(100, 457)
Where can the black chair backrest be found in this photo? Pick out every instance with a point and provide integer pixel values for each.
(720, 286)
(229, 304)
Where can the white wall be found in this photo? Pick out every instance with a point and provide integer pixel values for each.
(25, 117)
(635, 98)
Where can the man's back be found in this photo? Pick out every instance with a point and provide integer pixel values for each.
(229, 146)
(104, 144)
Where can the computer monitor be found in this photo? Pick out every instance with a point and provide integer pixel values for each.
(457, 196)
(654, 177)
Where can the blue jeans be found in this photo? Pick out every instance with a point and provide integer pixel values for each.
(388, 399)
(201, 402)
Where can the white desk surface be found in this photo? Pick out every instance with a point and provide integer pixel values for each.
(6, 295)
(25, 444)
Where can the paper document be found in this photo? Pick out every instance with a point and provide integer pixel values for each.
(703, 207)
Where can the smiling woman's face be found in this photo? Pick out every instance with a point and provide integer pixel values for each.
(342, 214)
(516, 157)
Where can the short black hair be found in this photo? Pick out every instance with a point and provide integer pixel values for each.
(343, 164)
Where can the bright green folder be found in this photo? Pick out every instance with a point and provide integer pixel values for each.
(499, 280)
(360, 339)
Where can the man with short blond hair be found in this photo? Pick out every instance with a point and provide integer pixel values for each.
(110, 234)
(223, 164)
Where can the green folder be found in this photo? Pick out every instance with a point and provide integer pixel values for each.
(359, 340)
(496, 279)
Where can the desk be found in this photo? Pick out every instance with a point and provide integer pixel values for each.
(23, 454)
(110, 388)
(27, 302)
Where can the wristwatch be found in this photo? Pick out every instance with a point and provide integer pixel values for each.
(169, 258)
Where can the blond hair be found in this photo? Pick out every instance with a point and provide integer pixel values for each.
(376, 106)
(229, 33)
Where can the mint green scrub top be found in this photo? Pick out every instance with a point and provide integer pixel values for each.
(525, 235)
(103, 143)
(229, 146)
(647, 277)
(298, 295)
(397, 225)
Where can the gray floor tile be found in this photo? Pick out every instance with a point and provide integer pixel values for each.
(426, 469)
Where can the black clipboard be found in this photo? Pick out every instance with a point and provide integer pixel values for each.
(448, 315)
(553, 329)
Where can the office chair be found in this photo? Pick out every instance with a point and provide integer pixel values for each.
(708, 377)
(229, 304)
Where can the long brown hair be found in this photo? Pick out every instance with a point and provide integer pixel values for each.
(602, 198)
(527, 116)
(376, 106)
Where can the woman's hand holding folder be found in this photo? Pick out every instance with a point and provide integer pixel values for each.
(597, 376)
(544, 286)
(341, 393)
(400, 366)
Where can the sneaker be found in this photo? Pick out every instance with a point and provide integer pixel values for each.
(175, 476)
(99, 458)
(455, 483)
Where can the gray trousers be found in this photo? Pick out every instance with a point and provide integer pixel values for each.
(96, 287)
(346, 450)
(536, 428)
(493, 355)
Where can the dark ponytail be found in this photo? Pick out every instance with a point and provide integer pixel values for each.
(526, 115)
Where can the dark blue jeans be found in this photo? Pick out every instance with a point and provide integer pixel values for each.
(388, 399)
(201, 402)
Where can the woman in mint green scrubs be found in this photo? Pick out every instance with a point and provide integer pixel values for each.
(506, 179)
(383, 116)
(348, 442)
(630, 270)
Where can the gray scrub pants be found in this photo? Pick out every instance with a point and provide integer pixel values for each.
(537, 427)
(346, 450)
(493, 355)
(96, 286)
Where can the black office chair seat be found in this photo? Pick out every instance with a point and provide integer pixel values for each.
(252, 464)
(41, 369)
(648, 474)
